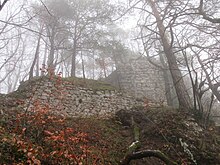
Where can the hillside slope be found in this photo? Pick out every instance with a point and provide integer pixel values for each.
(34, 135)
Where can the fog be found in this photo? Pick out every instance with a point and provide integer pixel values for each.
(91, 39)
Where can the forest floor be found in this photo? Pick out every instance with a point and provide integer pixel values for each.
(177, 134)
(107, 140)
(40, 137)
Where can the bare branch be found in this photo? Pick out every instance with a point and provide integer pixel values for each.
(21, 26)
(3, 4)
(46, 8)
(205, 16)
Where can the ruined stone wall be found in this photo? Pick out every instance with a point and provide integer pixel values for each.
(141, 78)
(64, 97)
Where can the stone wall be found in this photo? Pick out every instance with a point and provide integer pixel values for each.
(141, 78)
(69, 99)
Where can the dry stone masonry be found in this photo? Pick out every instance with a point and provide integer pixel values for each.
(64, 97)
(141, 78)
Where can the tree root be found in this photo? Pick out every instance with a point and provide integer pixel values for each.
(146, 153)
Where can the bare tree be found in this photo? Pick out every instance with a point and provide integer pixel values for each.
(162, 32)
(87, 17)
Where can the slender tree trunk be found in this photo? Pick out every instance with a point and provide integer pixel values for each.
(182, 94)
(73, 61)
(167, 82)
(50, 62)
(16, 80)
(36, 56)
(93, 65)
(83, 66)
(9, 84)
(37, 67)
(105, 74)
(103, 66)
(44, 61)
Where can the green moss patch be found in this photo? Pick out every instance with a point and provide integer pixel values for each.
(89, 83)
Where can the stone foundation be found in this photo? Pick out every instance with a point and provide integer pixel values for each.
(64, 97)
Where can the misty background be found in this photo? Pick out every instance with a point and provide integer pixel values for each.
(91, 38)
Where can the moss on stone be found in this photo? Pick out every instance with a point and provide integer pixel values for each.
(89, 83)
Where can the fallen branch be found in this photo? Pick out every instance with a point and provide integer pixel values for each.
(146, 153)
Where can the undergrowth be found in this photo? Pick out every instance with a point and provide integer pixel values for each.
(35, 135)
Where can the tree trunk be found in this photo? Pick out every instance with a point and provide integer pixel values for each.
(37, 67)
(147, 153)
(104, 69)
(182, 94)
(169, 90)
(93, 65)
(73, 61)
(36, 56)
(83, 66)
(44, 61)
(50, 62)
